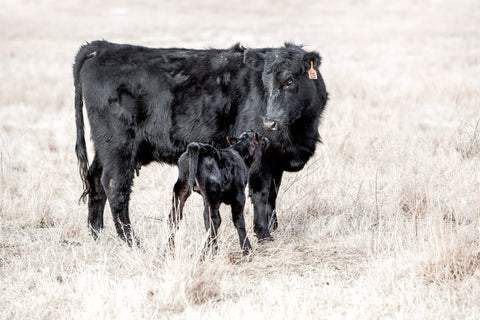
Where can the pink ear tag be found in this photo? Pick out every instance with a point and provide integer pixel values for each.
(312, 74)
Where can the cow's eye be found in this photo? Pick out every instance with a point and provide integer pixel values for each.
(288, 84)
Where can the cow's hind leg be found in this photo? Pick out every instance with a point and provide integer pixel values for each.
(117, 179)
(239, 222)
(96, 198)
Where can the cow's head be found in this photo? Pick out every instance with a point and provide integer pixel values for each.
(288, 87)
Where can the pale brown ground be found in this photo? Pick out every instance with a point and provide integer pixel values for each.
(384, 221)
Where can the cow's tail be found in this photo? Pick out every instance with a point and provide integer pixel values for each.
(83, 54)
(193, 150)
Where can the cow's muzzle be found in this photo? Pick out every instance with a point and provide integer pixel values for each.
(270, 125)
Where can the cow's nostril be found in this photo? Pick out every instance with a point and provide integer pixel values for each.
(270, 125)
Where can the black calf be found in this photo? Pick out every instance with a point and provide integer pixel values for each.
(220, 176)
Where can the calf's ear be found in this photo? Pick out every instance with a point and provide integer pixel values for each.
(311, 57)
(254, 60)
(231, 140)
(255, 137)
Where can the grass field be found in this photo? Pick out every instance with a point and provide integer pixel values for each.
(384, 222)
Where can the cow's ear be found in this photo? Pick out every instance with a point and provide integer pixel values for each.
(231, 140)
(254, 60)
(311, 57)
(267, 142)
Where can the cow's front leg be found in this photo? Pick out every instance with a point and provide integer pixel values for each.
(260, 181)
(272, 197)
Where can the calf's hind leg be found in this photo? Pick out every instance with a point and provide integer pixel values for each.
(180, 195)
(212, 220)
(239, 222)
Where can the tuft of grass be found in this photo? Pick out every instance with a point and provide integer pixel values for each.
(454, 264)
(468, 140)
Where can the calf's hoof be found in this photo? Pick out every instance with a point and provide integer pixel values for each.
(134, 243)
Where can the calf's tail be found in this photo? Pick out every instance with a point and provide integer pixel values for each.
(83, 54)
(193, 151)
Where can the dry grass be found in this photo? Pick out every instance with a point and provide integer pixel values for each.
(384, 222)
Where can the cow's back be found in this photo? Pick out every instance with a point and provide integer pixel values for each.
(162, 98)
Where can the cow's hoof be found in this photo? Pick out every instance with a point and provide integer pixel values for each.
(95, 232)
(240, 257)
(273, 223)
(265, 240)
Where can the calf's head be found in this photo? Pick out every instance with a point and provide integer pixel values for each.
(288, 87)
(249, 145)
(262, 146)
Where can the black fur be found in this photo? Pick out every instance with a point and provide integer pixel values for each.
(147, 104)
(220, 176)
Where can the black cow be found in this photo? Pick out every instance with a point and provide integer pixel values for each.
(147, 104)
(220, 176)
